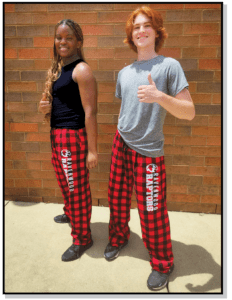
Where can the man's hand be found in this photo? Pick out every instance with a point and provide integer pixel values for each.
(149, 93)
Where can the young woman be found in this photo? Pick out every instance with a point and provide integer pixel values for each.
(70, 104)
(147, 88)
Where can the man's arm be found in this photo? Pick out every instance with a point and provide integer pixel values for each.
(180, 106)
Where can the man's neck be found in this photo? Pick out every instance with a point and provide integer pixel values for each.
(145, 54)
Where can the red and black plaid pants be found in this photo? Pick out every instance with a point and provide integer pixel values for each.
(148, 176)
(69, 151)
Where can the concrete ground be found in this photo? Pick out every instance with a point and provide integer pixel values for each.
(34, 244)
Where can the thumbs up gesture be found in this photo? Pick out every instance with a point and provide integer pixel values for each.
(149, 93)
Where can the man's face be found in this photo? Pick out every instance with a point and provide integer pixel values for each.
(143, 34)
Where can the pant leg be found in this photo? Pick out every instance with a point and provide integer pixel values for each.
(120, 192)
(60, 175)
(150, 187)
(72, 149)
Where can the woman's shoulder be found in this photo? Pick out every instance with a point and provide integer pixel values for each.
(82, 72)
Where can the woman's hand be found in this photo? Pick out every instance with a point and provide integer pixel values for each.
(44, 106)
(91, 160)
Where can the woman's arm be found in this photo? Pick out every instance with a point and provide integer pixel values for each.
(83, 75)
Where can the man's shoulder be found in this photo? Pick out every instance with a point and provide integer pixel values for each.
(126, 68)
(169, 61)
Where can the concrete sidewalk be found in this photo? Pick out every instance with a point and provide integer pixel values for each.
(34, 244)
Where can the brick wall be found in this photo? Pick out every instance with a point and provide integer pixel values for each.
(192, 149)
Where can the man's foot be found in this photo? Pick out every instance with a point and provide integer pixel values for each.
(157, 280)
(75, 251)
(62, 219)
(112, 252)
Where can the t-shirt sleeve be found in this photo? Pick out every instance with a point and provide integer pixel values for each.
(118, 93)
(176, 79)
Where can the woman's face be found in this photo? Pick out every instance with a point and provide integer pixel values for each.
(66, 42)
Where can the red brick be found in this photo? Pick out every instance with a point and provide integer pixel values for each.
(106, 87)
(7, 146)
(41, 192)
(63, 7)
(42, 64)
(184, 198)
(17, 18)
(211, 199)
(24, 127)
(214, 120)
(109, 128)
(98, 29)
(99, 53)
(33, 53)
(43, 42)
(15, 173)
(7, 127)
(207, 131)
(44, 18)
(11, 53)
(124, 52)
(167, 6)
(182, 41)
(38, 137)
(105, 138)
(196, 141)
(50, 184)
(21, 86)
(177, 169)
(82, 18)
(213, 161)
(129, 6)
(181, 189)
(199, 52)
(30, 7)
(214, 171)
(176, 150)
(113, 17)
(41, 174)
(216, 99)
(46, 165)
(177, 130)
(214, 141)
(9, 183)
(209, 64)
(28, 183)
(9, 8)
(22, 107)
(203, 190)
(211, 180)
(202, 6)
(183, 16)
(39, 156)
(16, 191)
(90, 41)
(171, 52)
(113, 64)
(210, 40)
(206, 151)
(199, 28)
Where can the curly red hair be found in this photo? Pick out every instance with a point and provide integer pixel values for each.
(156, 22)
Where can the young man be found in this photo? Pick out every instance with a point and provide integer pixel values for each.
(148, 88)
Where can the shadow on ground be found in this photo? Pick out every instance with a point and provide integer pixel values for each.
(188, 259)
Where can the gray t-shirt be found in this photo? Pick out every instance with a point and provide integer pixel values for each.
(141, 124)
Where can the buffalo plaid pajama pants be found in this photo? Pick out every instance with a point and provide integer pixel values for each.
(148, 176)
(69, 151)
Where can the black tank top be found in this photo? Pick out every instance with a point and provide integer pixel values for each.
(67, 109)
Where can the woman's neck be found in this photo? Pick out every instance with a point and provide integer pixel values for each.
(68, 60)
